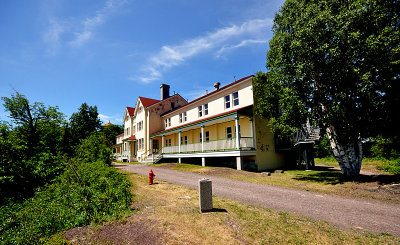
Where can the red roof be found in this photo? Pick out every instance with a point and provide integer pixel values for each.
(146, 102)
(130, 138)
(213, 92)
(131, 111)
(107, 124)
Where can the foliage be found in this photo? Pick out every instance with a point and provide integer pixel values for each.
(339, 62)
(85, 193)
(95, 148)
(384, 148)
(392, 166)
(111, 131)
(322, 147)
(31, 148)
(83, 123)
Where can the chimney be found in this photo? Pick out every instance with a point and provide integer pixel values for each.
(216, 85)
(164, 89)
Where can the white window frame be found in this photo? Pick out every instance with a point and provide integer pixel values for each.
(200, 107)
(185, 116)
(181, 118)
(205, 109)
(169, 122)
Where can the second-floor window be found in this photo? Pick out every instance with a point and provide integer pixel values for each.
(140, 126)
(134, 129)
(169, 122)
(185, 116)
(200, 111)
(235, 97)
(229, 132)
(227, 101)
(205, 109)
(166, 122)
(180, 118)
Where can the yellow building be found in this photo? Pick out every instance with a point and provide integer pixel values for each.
(217, 128)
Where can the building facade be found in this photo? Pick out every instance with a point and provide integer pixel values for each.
(217, 128)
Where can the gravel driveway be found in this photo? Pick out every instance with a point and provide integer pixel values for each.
(372, 216)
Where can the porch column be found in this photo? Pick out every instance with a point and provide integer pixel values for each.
(202, 137)
(179, 141)
(237, 132)
(252, 132)
(203, 161)
(162, 143)
(239, 163)
(151, 148)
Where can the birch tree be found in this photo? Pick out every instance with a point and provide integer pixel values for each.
(337, 62)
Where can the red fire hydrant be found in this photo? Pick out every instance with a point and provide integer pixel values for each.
(151, 177)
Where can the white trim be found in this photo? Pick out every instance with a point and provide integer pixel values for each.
(212, 154)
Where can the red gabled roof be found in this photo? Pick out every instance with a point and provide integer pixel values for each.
(213, 92)
(131, 111)
(130, 138)
(146, 102)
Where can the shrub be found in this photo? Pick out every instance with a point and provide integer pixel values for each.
(85, 193)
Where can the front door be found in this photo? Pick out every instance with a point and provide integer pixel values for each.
(155, 146)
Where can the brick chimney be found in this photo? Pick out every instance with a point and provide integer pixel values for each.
(164, 90)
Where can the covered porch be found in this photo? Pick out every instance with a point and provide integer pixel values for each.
(225, 135)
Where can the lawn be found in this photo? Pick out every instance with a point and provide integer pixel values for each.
(169, 214)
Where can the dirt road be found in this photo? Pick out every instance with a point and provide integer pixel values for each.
(372, 216)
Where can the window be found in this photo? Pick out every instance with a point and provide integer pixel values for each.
(205, 109)
(235, 97)
(166, 143)
(207, 138)
(169, 142)
(200, 111)
(166, 122)
(169, 122)
(229, 132)
(134, 129)
(201, 137)
(180, 118)
(185, 116)
(227, 101)
(185, 142)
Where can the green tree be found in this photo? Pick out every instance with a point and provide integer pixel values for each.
(111, 131)
(339, 62)
(83, 123)
(30, 148)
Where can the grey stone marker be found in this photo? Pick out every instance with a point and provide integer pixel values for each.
(205, 195)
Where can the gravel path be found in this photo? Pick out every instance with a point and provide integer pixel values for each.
(372, 216)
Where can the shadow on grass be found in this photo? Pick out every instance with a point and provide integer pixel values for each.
(215, 210)
(329, 176)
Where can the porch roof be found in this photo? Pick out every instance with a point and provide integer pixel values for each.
(130, 138)
(229, 114)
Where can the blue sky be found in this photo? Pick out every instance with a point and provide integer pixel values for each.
(109, 52)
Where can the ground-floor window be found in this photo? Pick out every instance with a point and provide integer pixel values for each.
(229, 132)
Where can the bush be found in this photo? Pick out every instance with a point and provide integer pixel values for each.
(85, 193)
(392, 166)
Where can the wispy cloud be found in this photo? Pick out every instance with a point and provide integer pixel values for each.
(171, 56)
(243, 43)
(115, 119)
(82, 30)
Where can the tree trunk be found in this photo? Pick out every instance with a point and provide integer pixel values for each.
(346, 155)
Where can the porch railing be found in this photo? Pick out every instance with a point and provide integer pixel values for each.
(212, 145)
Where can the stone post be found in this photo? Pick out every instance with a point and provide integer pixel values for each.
(205, 195)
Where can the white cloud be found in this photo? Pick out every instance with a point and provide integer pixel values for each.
(106, 119)
(171, 56)
(89, 24)
(243, 43)
(82, 30)
(53, 34)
